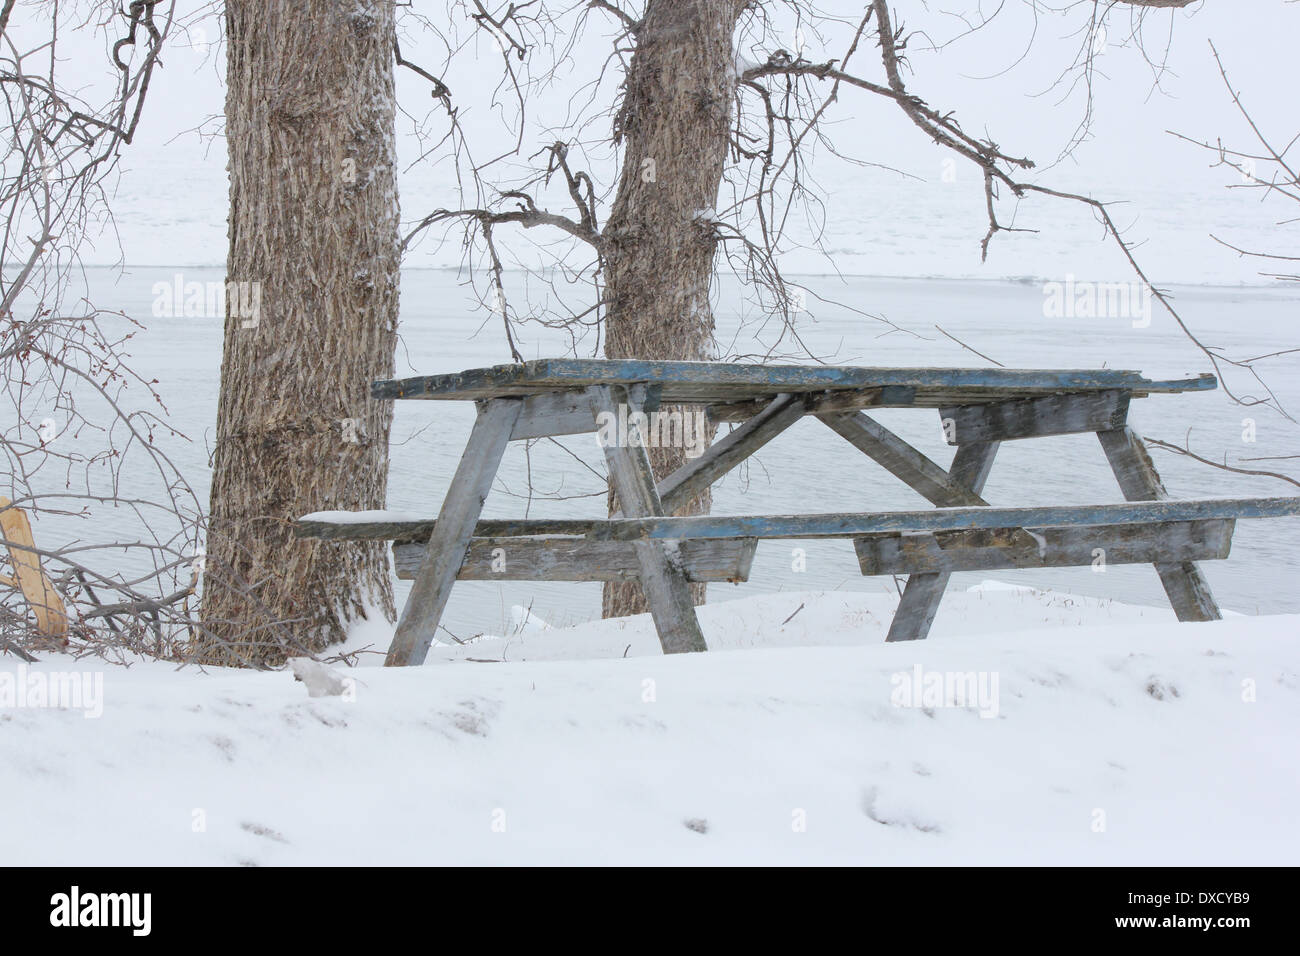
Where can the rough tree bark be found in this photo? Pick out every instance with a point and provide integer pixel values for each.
(314, 224)
(659, 255)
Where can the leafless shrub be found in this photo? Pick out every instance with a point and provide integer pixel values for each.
(73, 446)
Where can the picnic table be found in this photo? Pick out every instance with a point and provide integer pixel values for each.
(645, 542)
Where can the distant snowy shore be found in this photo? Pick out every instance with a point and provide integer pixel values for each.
(1056, 729)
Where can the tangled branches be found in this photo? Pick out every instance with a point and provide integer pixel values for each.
(104, 570)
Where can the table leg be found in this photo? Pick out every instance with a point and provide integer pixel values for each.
(452, 532)
(662, 577)
(923, 592)
(1189, 592)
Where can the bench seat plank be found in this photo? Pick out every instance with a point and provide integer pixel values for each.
(826, 525)
(419, 529)
(568, 558)
(996, 549)
(848, 525)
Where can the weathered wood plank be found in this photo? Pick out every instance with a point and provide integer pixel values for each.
(578, 559)
(728, 452)
(1035, 417)
(848, 525)
(451, 535)
(554, 413)
(850, 400)
(738, 403)
(1188, 591)
(836, 400)
(919, 602)
(957, 487)
(716, 378)
(815, 526)
(29, 578)
(420, 529)
(901, 459)
(663, 578)
(995, 549)
(972, 463)
(567, 412)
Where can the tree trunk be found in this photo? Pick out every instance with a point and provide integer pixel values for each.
(311, 320)
(659, 261)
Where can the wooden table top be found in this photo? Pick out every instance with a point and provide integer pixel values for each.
(716, 383)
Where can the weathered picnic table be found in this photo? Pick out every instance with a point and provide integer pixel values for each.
(979, 409)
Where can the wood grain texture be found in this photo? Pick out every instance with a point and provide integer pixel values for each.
(851, 524)
(29, 578)
(994, 549)
(1184, 583)
(567, 558)
(418, 530)
(314, 235)
(728, 452)
(840, 525)
(815, 403)
(565, 412)
(923, 593)
(720, 382)
(663, 577)
(902, 460)
(1036, 417)
(451, 535)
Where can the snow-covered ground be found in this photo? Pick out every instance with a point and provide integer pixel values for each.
(1096, 733)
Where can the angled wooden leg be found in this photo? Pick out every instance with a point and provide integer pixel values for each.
(729, 451)
(1189, 592)
(662, 577)
(923, 592)
(452, 532)
(902, 460)
(958, 486)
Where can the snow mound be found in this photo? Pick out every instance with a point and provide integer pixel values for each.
(1090, 733)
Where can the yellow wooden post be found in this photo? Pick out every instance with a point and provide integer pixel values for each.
(37, 589)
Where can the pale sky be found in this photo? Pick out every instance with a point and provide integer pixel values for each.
(172, 199)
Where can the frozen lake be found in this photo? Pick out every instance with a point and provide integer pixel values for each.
(808, 468)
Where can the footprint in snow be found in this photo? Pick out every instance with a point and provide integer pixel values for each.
(258, 830)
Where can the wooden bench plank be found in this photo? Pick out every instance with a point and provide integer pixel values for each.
(843, 525)
(848, 525)
(570, 558)
(419, 529)
(995, 549)
(1035, 417)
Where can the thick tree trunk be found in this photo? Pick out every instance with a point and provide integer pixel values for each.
(659, 260)
(314, 228)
